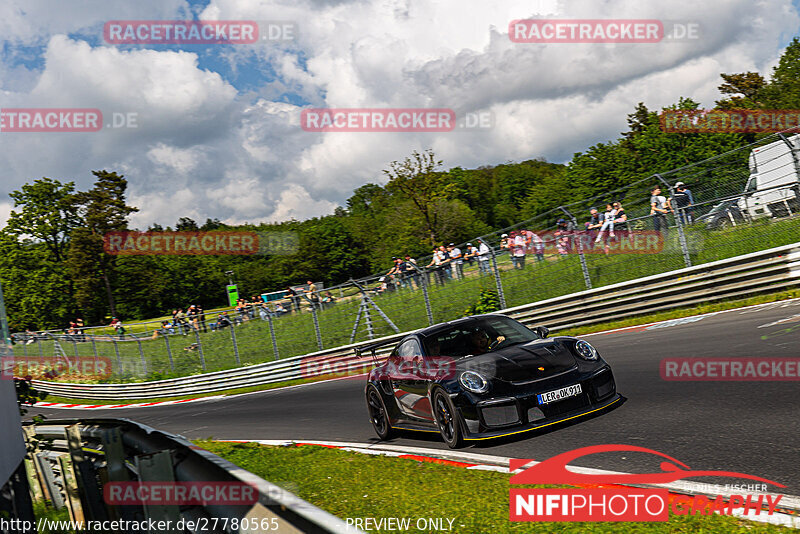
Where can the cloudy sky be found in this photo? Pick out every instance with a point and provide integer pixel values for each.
(218, 126)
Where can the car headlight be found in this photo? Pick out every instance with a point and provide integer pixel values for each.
(474, 382)
(585, 350)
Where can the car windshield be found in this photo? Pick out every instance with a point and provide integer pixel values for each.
(477, 336)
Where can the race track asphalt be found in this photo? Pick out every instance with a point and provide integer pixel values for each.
(746, 427)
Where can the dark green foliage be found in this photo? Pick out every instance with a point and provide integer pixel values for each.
(488, 301)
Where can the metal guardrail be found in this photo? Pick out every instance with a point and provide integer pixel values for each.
(71, 457)
(764, 271)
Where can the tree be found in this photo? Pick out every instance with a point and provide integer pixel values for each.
(103, 210)
(744, 88)
(416, 178)
(185, 224)
(47, 212)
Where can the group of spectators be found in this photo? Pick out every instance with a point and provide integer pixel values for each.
(447, 262)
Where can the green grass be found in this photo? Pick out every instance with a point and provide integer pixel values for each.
(295, 333)
(352, 485)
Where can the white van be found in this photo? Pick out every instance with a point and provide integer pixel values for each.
(772, 189)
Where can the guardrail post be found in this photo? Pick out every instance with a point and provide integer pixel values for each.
(235, 345)
(272, 335)
(687, 259)
(316, 325)
(157, 467)
(200, 348)
(586, 279)
(496, 272)
(169, 352)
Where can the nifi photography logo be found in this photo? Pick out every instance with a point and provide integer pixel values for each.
(618, 502)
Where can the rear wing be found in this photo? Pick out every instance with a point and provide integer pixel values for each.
(372, 349)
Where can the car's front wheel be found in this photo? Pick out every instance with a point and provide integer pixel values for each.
(447, 419)
(378, 414)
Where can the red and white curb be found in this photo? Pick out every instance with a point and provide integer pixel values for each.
(500, 464)
(117, 406)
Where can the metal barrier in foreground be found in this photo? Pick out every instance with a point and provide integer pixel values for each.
(76, 462)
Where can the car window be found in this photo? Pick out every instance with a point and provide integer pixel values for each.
(477, 336)
(409, 349)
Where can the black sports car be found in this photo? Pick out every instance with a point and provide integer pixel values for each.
(484, 377)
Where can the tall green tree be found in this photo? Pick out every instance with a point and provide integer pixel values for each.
(417, 179)
(103, 210)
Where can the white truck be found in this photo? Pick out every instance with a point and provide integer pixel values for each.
(772, 190)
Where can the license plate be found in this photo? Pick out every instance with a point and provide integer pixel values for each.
(558, 394)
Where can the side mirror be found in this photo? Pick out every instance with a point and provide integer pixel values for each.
(541, 331)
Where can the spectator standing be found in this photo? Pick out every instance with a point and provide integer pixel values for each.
(563, 233)
(659, 207)
(311, 293)
(484, 255)
(470, 254)
(116, 324)
(518, 246)
(201, 318)
(457, 260)
(294, 299)
(191, 315)
(409, 269)
(447, 262)
(79, 326)
(181, 322)
(683, 201)
(434, 266)
(505, 242)
(538, 245)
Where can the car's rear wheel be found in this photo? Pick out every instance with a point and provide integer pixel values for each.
(378, 414)
(447, 419)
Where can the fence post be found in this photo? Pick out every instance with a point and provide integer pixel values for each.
(169, 352)
(119, 360)
(272, 335)
(586, 279)
(94, 350)
(316, 325)
(496, 272)
(687, 259)
(141, 353)
(200, 348)
(235, 345)
(422, 278)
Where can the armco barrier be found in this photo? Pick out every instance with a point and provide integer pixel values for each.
(759, 272)
(70, 457)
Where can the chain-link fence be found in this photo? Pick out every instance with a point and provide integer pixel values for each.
(738, 202)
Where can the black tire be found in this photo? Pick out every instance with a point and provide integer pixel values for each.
(378, 415)
(447, 419)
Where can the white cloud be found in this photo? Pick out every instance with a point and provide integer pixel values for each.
(203, 149)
